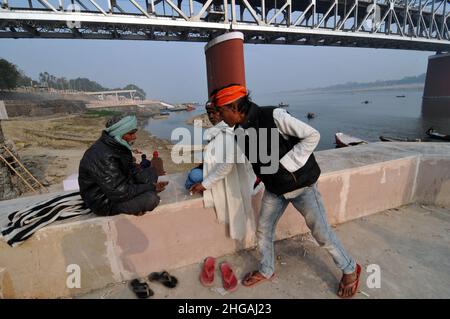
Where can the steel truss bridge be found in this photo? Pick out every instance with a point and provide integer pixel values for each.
(395, 24)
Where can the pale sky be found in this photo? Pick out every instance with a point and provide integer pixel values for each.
(176, 72)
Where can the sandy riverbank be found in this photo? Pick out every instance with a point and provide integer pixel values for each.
(52, 147)
(202, 117)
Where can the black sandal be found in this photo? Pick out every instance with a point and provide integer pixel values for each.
(141, 289)
(165, 278)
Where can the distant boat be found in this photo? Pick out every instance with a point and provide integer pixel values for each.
(401, 95)
(160, 116)
(178, 108)
(167, 105)
(282, 104)
(310, 115)
(434, 134)
(343, 140)
(399, 139)
(365, 102)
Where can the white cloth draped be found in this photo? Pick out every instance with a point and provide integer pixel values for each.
(229, 187)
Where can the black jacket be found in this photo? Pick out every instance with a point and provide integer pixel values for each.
(282, 181)
(105, 176)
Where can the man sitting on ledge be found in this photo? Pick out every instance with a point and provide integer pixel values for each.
(107, 184)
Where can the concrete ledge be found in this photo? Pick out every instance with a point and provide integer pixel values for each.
(356, 182)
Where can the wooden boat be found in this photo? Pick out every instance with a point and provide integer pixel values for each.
(399, 139)
(282, 104)
(436, 135)
(343, 140)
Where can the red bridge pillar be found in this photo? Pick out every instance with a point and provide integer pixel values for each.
(436, 95)
(225, 61)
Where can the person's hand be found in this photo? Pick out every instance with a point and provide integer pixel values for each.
(197, 188)
(160, 186)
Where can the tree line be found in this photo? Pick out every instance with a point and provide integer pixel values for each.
(11, 77)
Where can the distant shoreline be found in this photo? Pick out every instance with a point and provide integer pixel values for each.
(409, 87)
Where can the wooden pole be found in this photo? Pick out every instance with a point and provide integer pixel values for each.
(2, 137)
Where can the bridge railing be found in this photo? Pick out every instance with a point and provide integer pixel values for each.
(374, 23)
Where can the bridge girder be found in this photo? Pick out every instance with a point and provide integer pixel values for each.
(396, 24)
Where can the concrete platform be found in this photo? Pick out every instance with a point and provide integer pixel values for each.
(410, 244)
(355, 183)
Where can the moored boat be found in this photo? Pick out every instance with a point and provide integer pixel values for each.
(343, 140)
(398, 139)
(436, 135)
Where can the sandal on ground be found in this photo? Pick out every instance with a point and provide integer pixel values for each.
(253, 278)
(207, 273)
(229, 280)
(164, 278)
(141, 289)
(353, 285)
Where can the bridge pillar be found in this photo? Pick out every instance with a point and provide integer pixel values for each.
(436, 95)
(225, 61)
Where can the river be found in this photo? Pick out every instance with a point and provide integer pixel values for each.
(385, 114)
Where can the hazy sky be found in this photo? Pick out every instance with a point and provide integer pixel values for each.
(176, 72)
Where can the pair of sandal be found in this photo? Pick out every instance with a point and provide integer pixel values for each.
(229, 280)
(142, 289)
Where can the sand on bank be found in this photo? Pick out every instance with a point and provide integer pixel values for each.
(205, 123)
(51, 147)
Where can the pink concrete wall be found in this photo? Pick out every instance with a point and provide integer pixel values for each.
(185, 234)
(122, 247)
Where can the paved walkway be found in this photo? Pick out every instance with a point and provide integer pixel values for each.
(411, 246)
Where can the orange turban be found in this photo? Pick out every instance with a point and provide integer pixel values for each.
(228, 95)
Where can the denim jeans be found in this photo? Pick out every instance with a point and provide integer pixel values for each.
(309, 203)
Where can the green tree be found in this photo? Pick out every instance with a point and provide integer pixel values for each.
(9, 75)
(23, 80)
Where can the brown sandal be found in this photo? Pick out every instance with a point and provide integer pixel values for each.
(253, 278)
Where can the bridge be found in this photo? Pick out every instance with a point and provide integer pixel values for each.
(101, 94)
(394, 24)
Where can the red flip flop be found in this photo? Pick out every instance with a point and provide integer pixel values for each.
(229, 280)
(207, 274)
(353, 285)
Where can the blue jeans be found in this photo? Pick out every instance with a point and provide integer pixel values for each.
(309, 203)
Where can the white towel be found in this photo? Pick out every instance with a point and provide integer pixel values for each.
(25, 222)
